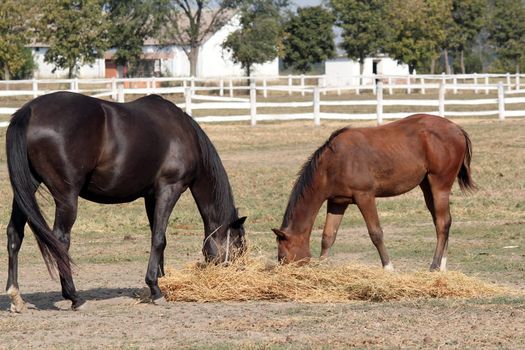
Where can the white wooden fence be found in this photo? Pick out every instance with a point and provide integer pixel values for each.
(507, 86)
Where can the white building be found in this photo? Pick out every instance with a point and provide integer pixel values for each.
(165, 60)
(344, 71)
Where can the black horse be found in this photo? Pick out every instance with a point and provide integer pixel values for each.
(109, 153)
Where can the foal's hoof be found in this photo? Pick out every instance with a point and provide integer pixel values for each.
(159, 301)
(388, 267)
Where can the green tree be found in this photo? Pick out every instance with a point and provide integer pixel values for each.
(309, 38)
(419, 30)
(191, 22)
(131, 22)
(76, 32)
(259, 38)
(507, 33)
(365, 27)
(15, 31)
(468, 21)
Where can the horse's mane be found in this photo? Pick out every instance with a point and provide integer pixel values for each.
(306, 176)
(222, 192)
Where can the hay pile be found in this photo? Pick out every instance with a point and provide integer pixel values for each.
(253, 279)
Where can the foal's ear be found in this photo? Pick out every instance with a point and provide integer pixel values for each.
(280, 234)
(238, 223)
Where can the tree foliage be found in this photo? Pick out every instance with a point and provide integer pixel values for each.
(507, 33)
(191, 22)
(15, 32)
(131, 22)
(365, 27)
(75, 30)
(419, 30)
(468, 21)
(259, 38)
(309, 38)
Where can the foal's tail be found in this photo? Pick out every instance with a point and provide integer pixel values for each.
(24, 187)
(464, 175)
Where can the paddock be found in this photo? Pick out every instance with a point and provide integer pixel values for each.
(110, 246)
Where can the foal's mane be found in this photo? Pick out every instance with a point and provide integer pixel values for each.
(306, 176)
(222, 192)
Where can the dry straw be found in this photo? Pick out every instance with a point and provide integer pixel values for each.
(252, 278)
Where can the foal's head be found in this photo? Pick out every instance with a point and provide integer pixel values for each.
(292, 247)
(226, 243)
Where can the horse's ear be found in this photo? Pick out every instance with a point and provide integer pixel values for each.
(238, 223)
(280, 234)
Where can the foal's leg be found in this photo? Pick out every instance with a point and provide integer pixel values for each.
(164, 203)
(334, 216)
(367, 205)
(15, 236)
(440, 210)
(65, 216)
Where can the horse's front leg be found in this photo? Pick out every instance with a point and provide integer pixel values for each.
(163, 203)
(15, 236)
(334, 216)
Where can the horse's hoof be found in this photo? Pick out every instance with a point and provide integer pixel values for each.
(160, 301)
(80, 306)
(18, 308)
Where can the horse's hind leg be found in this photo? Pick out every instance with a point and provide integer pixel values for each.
(334, 216)
(15, 236)
(437, 196)
(65, 216)
(367, 205)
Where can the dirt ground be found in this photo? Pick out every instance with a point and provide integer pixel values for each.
(115, 318)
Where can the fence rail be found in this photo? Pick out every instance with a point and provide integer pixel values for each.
(507, 87)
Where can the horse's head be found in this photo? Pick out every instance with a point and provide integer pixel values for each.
(225, 243)
(291, 247)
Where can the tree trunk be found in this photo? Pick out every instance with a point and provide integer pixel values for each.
(7, 76)
(361, 70)
(462, 61)
(411, 68)
(433, 65)
(70, 72)
(193, 57)
(447, 65)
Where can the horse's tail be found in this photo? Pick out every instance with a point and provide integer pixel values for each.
(24, 186)
(464, 175)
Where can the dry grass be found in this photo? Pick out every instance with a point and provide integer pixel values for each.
(254, 279)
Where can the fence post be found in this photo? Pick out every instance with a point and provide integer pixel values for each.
(509, 86)
(486, 84)
(265, 91)
(455, 82)
(422, 82)
(324, 84)
(34, 85)
(72, 85)
(187, 96)
(253, 103)
(120, 93)
(153, 84)
(390, 90)
(302, 84)
(317, 106)
(113, 89)
(289, 85)
(379, 95)
(475, 83)
(231, 87)
(501, 102)
(517, 80)
(409, 90)
(442, 100)
(221, 89)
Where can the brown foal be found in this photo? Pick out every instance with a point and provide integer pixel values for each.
(355, 166)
